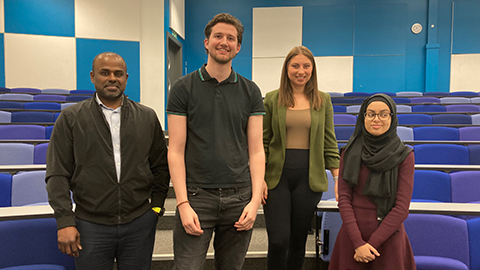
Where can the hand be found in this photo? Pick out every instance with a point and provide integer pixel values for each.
(69, 241)
(265, 193)
(247, 219)
(190, 220)
(336, 190)
(365, 253)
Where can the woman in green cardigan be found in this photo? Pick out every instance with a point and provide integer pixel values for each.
(300, 143)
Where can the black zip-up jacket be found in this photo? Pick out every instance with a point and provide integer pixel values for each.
(80, 158)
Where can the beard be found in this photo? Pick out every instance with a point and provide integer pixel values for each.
(222, 60)
(110, 95)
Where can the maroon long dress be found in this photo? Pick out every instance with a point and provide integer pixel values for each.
(360, 225)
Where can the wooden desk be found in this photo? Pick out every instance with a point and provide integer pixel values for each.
(34, 142)
(420, 125)
(465, 143)
(447, 167)
(25, 212)
(471, 209)
(428, 113)
(17, 168)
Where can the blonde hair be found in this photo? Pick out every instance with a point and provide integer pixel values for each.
(285, 93)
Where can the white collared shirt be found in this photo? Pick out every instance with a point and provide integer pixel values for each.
(113, 118)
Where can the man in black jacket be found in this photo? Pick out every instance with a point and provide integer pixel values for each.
(110, 152)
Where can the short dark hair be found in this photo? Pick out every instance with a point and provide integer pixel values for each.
(228, 19)
(108, 53)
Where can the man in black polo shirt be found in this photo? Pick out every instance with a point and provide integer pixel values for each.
(216, 156)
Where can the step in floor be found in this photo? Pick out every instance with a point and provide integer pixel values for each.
(163, 249)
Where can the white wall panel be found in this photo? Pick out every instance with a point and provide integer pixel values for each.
(177, 16)
(335, 73)
(464, 74)
(2, 17)
(40, 61)
(108, 19)
(152, 48)
(276, 31)
(266, 73)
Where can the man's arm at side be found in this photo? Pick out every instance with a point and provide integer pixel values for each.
(256, 155)
(68, 237)
(177, 131)
(159, 166)
(60, 166)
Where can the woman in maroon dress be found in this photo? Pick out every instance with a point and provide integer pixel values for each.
(375, 188)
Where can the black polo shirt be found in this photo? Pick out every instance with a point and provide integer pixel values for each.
(216, 151)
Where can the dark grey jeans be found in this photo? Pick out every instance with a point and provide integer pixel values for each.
(217, 210)
(130, 244)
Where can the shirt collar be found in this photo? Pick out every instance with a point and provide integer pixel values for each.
(204, 76)
(99, 102)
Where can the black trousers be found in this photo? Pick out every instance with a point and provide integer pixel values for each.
(288, 213)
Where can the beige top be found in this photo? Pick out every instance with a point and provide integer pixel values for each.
(298, 124)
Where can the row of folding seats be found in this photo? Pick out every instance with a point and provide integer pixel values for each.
(23, 188)
(37, 132)
(25, 132)
(23, 153)
(467, 108)
(407, 94)
(418, 119)
(439, 119)
(35, 105)
(29, 97)
(46, 91)
(424, 153)
(456, 187)
(33, 97)
(437, 153)
(413, 100)
(451, 154)
(28, 117)
(434, 133)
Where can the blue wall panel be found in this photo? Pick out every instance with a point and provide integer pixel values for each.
(2, 60)
(87, 49)
(431, 73)
(466, 27)
(380, 29)
(197, 15)
(328, 30)
(379, 73)
(46, 17)
(444, 33)
(415, 49)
